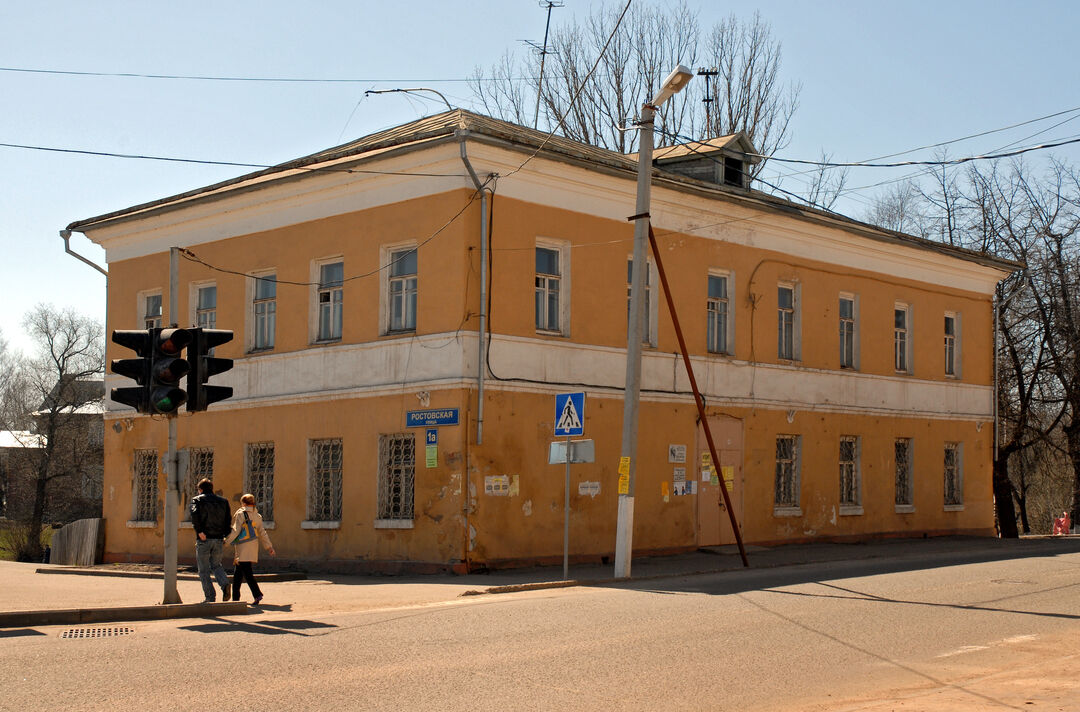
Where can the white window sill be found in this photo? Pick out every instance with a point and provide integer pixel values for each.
(551, 332)
(318, 525)
(850, 510)
(393, 524)
(954, 508)
(905, 509)
(787, 511)
(141, 525)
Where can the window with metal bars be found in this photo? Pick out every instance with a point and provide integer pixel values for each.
(397, 467)
(259, 477)
(849, 472)
(146, 486)
(904, 495)
(200, 465)
(954, 486)
(787, 471)
(324, 480)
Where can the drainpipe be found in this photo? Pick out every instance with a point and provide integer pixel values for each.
(65, 235)
(483, 287)
(996, 338)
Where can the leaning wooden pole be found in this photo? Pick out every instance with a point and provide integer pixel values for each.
(698, 400)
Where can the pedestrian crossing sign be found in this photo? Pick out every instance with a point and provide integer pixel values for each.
(570, 414)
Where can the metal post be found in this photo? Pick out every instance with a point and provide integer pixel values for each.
(566, 518)
(172, 494)
(624, 530)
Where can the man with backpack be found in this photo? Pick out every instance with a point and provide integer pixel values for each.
(212, 522)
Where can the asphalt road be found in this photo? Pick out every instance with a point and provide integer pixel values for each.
(854, 635)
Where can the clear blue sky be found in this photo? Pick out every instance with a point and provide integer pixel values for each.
(877, 78)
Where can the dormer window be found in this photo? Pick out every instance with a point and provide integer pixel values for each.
(734, 172)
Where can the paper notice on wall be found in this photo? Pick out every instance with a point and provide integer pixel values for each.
(624, 484)
(497, 485)
(431, 456)
(693, 486)
(678, 474)
(664, 490)
(624, 466)
(590, 489)
(729, 476)
(514, 486)
(708, 474)
(676, 453)
(679, 488)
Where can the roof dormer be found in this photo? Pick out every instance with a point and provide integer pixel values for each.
(725, 160)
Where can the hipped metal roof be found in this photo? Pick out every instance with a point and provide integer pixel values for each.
(448, 125)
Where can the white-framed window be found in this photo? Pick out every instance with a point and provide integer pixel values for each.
(259, 477)
(848, 310)
(324, 481)
(329, 299)
(200, 465)
(150, 309)
(206, 306)
(850, 476)
(145, 491)
(954, 476)
(402, 286)
(903, 459)
(648, 329)
(552, 295)
(787, 321)
(902, 337)
(396, 483)
(786, 500)
(720, 327)
(262, 295)
(952, 345)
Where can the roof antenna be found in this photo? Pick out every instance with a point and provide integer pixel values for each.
(708, 100)
(542, 49)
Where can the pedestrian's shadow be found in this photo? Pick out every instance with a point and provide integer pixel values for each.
(273, 627)
(19, 632)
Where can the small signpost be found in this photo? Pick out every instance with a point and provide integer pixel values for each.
(569, 421)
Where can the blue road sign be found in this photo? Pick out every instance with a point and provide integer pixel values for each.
(570, 414)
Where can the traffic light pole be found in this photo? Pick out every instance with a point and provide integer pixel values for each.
(172, 480)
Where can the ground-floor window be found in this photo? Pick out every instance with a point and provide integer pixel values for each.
(397, 465)
(200, 466)
(145, 477)
(902, 450)
(324, 480)
(787, 471)
(849, 472)
(954, 484)
(259, 477)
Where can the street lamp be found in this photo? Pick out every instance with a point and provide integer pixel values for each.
(624, 531)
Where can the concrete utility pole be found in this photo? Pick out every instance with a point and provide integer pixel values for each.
(172, 470)
(624, 530)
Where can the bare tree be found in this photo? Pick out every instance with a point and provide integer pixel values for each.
(51, 388)
(898, 208)
(747, 91)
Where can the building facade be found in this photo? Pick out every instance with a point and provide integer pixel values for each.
(406, 308)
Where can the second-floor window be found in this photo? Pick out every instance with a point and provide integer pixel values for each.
(152, 312)
(264, 311)
(716, 330)
(206, 307)
(785, 321)
(951, 351)
(548, 288)
(331, 279)
(902, 338)
(402, 284)
(847, 331)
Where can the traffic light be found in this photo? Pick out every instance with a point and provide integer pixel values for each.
(167, 367)
(203, 366)
(139, 341)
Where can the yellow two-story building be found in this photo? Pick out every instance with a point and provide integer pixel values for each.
(407, 307)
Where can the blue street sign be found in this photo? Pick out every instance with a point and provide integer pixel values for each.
(432, 436)
(570, 414)
(422, 418)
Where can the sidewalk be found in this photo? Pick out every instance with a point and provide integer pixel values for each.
(37, 598)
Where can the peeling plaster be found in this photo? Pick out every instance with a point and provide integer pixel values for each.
(472, 538)
(455, 479)
(527, 508)
(832, 516)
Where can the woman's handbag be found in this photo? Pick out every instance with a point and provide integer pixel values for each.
(247, 531)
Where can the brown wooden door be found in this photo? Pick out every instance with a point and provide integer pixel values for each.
(713, 521)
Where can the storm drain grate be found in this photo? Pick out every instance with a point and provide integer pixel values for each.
(100, 632)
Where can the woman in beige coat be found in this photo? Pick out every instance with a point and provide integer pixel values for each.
(247, 552)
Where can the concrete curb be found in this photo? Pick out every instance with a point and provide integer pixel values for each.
(75, 616)
(81, 571)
